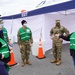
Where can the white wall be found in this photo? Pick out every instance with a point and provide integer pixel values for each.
(35, 23)
(66, 20)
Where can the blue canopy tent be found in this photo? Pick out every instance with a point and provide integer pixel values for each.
(54, 8)
(41, 21)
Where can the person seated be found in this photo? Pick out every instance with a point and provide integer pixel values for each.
(4, 51)
(4, 68)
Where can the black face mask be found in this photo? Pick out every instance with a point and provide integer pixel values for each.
(57, 24)
(1, 34)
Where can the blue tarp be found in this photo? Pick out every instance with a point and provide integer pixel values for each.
(54, 8)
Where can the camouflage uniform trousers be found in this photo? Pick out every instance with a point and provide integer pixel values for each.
(25, 51)
(57, 48)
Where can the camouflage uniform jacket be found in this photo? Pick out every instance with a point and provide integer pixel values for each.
(60, 30)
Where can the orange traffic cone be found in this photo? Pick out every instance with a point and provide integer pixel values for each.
(40, 51)
(12, 60)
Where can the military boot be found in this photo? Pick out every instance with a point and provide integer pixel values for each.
(54, 61)
(27, 62)
(23, 63)
(58, 62)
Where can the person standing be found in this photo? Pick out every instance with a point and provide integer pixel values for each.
(25, 42)
(57, 42)
(5, 33)
(71, 38)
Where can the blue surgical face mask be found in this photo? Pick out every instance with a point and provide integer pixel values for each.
(2, 24)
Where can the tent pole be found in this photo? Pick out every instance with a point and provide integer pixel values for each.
(11, 26)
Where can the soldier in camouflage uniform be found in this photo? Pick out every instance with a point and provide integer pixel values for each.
(25, 42)
(57, 42)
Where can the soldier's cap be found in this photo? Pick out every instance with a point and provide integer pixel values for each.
(57, 21)
(1, 21)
